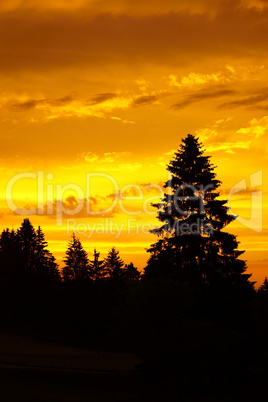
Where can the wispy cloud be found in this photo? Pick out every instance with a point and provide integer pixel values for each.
(228, 147)
(255, 99)
(100, 105)
(145, 100)
(71, 206)
(40, 103)
(218, 139)
(100, 98)
(109, 161)
(103, 105)
(194, 79)
(202, 95)
(256, 129)
(106, 157)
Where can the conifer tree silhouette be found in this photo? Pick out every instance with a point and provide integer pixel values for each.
(97, 267)
(27, 240)
(46, 264)
(114, 264)
(192, 245)
(76, 261)
(263, 289)
(10, 255)
(25, 253)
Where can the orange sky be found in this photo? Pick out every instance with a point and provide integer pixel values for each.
(110, 88)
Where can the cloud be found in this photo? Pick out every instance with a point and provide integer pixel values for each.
(100, 98)
(214, 132)
(230, 74)
(72, 207)
(142, 84)
(145, 100)
(39, 103)
(27, 105)
(221, 136)
(11, 5)
(228, 146)
(139, 7)
(244, 138)
(258, 4)
(241, 194)
(193, 79)
(207, 134)
(116, 6)
(231, 69)
(38, 40)
(106, 157)
(202, 95)
(109, 161)
(256, 129)
(100, 106)
(138, 190)
(259, 96)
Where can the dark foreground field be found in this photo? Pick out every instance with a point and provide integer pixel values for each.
(33, 370)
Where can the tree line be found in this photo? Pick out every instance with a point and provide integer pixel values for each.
(24, 252)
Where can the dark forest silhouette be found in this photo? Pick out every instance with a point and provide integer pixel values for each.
(193, 316)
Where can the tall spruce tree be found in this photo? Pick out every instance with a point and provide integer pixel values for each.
(97, 267)
(192, 245)
(76, 261)
(46, 265)
(114, 265)
(26, 235)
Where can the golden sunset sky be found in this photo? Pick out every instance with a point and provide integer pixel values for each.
(109, 88)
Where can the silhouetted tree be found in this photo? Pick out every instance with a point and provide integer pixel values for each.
(27, 240)
(263, 289)
(25, 253)
(97, 267)
(113, 265)
(10, 255)
(46, 265)
(130, 272)
(76, 261)
(8, 240)
(192, 245)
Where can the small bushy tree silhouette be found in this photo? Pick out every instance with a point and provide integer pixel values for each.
(130, 272)
(192, 245)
